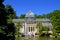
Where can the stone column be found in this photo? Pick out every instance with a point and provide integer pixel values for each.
(25, 29)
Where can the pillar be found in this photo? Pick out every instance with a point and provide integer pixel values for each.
(25, 29)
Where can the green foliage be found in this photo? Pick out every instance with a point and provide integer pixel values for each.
(2, 28)
(10, 11)
(3, 15)
(22, 16)
(11, 31)
(18, 25)
(3, 22)
(7, 28)
(40, 16)
(55, 34)
(10, 26)
(45, 28)
(55, 19)
(39, 27)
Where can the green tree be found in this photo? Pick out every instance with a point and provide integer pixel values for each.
(22, 16)
(39, 27)
(18, 26)
(10, 11)
(3, 14)
(3, 21)
(7, 29)
(44, 28)
(40, 16)
(55, 19)
(10, 26)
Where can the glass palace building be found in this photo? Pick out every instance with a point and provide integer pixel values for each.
(29, 23)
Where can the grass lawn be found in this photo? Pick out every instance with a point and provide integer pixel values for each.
(40, 38)
(18, 38)
(46, 38)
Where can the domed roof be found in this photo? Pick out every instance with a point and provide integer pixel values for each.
(30, 14)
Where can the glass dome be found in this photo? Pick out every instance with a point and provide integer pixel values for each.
(30, 14)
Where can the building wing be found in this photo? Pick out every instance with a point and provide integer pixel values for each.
(18, 20)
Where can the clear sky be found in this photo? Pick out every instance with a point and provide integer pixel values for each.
(36, 6)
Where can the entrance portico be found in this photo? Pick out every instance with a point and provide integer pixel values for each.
(30, 29)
